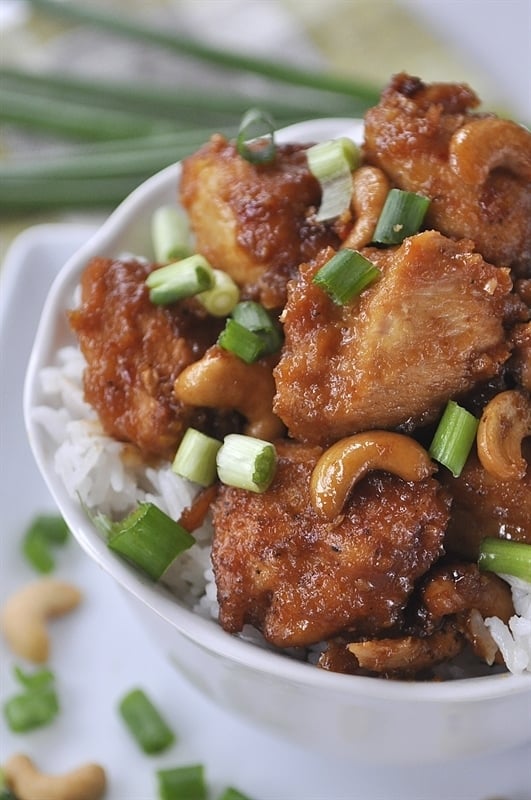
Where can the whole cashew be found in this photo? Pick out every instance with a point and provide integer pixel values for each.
(222, 380)
(347, 461)
(485, 144)
(370, 187)
(24, 615)
(505, 421)
(87, 782)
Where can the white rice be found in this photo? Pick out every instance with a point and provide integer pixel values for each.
(101, 472)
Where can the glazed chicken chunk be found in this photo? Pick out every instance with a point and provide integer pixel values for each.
(425, 332)
(301, 579)
(134, 352)
(475, 168)
(254, 221)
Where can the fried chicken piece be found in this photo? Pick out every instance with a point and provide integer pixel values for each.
(484, 506)
(134, 352)
(301, 579)
(425, 332)
(254, 221)
(476, 169)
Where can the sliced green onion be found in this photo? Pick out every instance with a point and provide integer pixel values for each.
(256, 137)
(257, 319)
(246, 462)
(402, 215)
(34, 680)
(170, 233)
(149, 539)
(345, 275)
(221, 299)
(332, 163)
(505, 557)
(237, 339)
(182, 783)
(195, 459)
(145, 723)
(454, 438)
(184, 278)
(32, 709)
(233, 794)
(45, 531)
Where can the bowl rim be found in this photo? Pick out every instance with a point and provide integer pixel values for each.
(206, 633)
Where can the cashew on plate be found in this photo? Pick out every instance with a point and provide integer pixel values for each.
(87, 782)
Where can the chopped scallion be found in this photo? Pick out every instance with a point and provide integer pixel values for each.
(346, 275)
(246, 462)
(402, 215)
(256, 137)
(31, 709)
(149, 539)
(184, 278)
(233, 794)
(222, 297)
(196, 457)
(170, 234)
(237, 339)
(182, 783)
(46, 531)
(257, 319)
(34, 680)
(505, 557)
(145, 723)
(454, 438)
(332, 163)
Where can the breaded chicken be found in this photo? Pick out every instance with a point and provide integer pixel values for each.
(254, 221)
(425, 332)
(476, 169)
(134, 352)
(301, 579)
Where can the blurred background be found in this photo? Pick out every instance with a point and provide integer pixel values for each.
(482, 42)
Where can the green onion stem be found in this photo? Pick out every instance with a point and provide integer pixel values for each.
(45, 532)
(257, 319)
(34, 680)
(145, 723)
(331, 163)
(31, 709)
(29, 194)
(231, 793)
(170, 234)
(256, 137)
(78, 121)
(184, 278)
(346, 275)
(238, 339)
(454, 437)
(185, 45)
(182, 783)
(505, 557)
(221, 299)
(246, 462)
(402, 216)
(195, 459)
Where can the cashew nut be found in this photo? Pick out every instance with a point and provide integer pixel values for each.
(370, 187)
(347, 461)
(87, 782)
(24, 615)
(222, 380)
(486, 144)
(505, 421)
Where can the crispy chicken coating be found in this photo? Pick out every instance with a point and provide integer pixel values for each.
(424, 333)
(301, 579)
(476, 169)
(254, 221)
(134, 352)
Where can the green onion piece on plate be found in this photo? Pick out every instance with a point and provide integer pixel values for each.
(184, 278)
(332, 163)
(195, 459)
(170, 234)
(149, 539)
(233, 794)
(256, 137)
(45, 532)
(454, 438)
(505, 557)
(31, 709)
(34, 680)
(222, 297)
(182, 783)
(402, 215)
(346, 275)
(145, 723)
(245, 344)
(246, 462)
(257, 319)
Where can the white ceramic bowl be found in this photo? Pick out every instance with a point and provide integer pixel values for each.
(363, 718)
